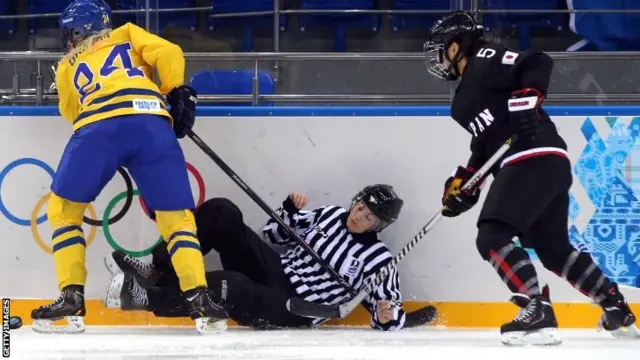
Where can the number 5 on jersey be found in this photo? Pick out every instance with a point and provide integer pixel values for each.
(486, 53)
(84, 79)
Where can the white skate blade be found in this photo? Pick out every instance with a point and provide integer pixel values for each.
(207, 325)
(75, 325)
(624, 333)
(627, 333)
(112, 299)
(111, 265)
(542, 337)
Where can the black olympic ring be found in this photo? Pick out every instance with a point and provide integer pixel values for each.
(127, 203)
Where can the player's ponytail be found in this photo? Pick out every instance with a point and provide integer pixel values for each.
(87, 43)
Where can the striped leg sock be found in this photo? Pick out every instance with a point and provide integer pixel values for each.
(69, 256)
(583, 274)
(178, 228)
(187, 260)
(514, 266)
(68, 243)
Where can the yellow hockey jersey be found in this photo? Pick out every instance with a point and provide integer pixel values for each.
(114, 77)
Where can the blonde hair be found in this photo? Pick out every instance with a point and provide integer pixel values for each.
(87, 43)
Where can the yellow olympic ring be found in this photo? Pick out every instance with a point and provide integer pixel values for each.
(34, 224)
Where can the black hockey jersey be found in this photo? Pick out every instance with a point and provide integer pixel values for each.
(480, 104)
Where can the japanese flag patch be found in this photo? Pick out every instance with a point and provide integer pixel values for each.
(509, 58)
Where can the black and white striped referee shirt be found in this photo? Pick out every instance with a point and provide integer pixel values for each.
(354, 256)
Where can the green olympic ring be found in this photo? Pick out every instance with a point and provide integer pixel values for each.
(107, 232)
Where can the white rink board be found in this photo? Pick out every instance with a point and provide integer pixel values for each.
(327, 158)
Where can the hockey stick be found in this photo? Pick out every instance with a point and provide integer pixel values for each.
(420, 317)
(207, 150)
(305, 308)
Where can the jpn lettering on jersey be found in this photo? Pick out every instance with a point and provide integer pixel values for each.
(480, 122)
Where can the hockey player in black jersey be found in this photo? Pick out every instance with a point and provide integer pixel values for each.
(257, 281)
(500, 94)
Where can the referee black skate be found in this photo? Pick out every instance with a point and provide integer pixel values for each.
(256, 281)
(500, 94)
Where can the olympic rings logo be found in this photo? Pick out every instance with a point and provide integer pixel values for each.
(92, 220)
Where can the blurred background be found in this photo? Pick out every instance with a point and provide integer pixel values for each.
(338, 51)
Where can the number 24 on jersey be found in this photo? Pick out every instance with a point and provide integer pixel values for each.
(85, 80)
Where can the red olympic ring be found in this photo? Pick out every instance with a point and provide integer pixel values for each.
(201, 190)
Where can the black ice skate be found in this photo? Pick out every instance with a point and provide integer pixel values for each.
(120, 262)
(69, 306)
(209, 316)
(536, 317)
(125, 293)
(617, 318)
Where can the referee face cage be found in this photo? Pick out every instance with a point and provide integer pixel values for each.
(461, 27)
(382, 202)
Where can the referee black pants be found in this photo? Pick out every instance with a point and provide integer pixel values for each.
(252, 288)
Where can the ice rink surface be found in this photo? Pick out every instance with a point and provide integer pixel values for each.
(138, 343)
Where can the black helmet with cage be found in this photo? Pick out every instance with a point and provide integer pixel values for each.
(383, 202)
(461, 27)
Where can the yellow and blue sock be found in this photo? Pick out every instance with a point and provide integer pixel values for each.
(68, 243)
(178, 228)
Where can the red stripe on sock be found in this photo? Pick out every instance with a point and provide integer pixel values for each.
(507, 269)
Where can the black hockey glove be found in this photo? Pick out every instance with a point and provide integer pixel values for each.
(455, 201)
(183, 100)
(523, 111)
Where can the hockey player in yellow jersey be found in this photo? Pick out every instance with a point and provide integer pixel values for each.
(119, 118)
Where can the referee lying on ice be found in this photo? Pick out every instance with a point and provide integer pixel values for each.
(256, 280)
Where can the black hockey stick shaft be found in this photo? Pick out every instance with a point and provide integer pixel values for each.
(305, 308)
(420, 317)
(263, 205)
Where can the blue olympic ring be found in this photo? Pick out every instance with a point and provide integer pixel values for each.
(5, 172)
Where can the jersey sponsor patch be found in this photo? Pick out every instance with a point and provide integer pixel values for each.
(509, 58)
(145, 105)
